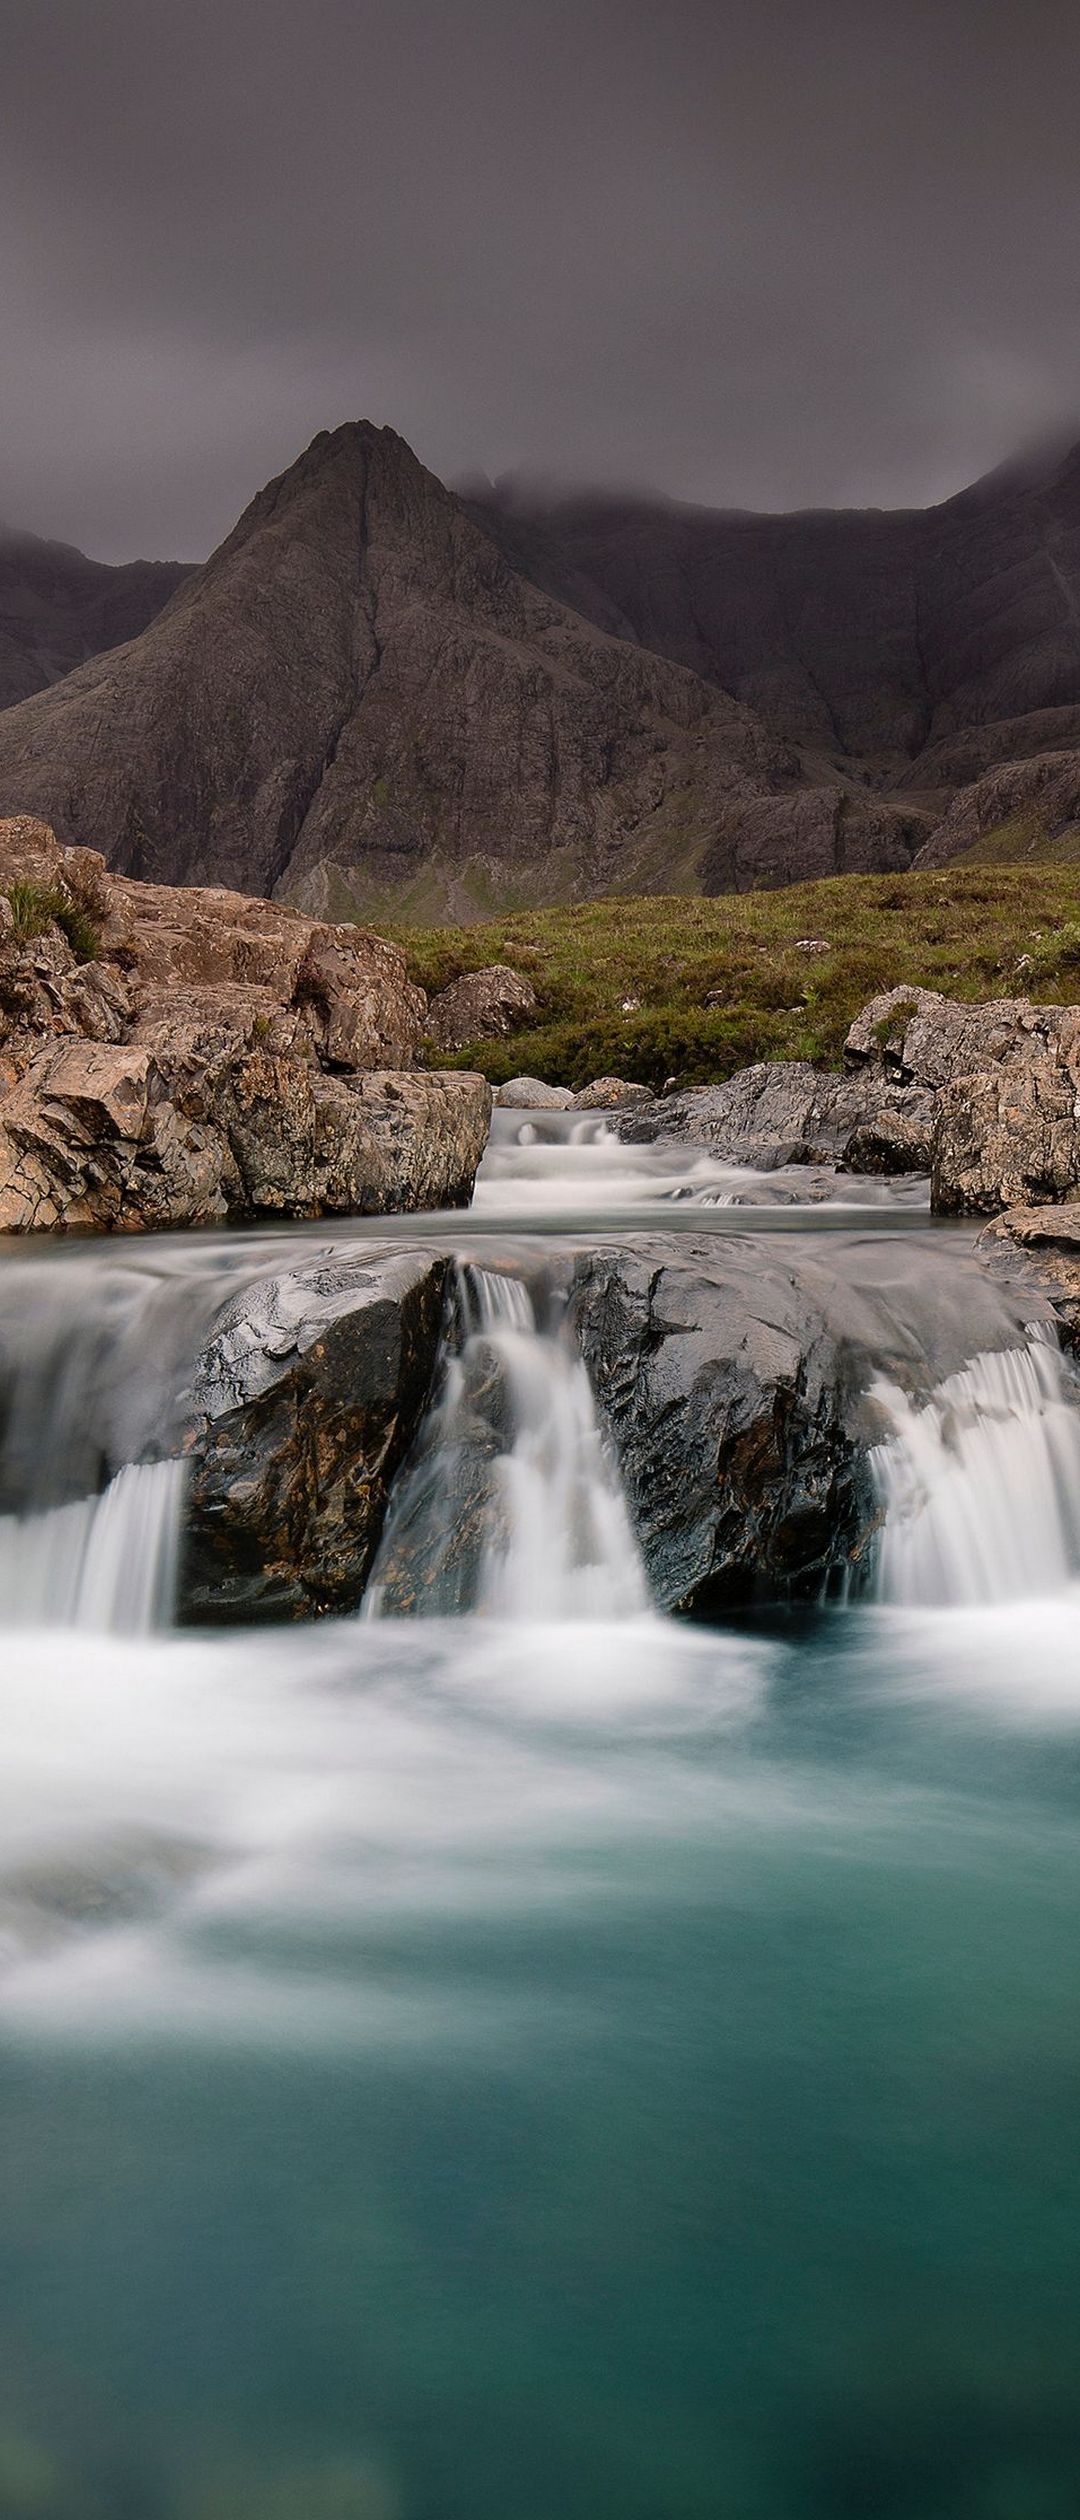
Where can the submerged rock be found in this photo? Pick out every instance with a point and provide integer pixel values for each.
(303, 1403)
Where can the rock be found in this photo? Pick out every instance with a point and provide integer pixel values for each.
(1009, 1136)
(1047, 1241)
(611, 1093)
(129, 1139)
(734, 1379)
(917, 1036)
(529, 1093)
(1003, 1086)
(892, 1142)
(223, 1057)
(784, 1112)
(303, 1403)
(481, 1006)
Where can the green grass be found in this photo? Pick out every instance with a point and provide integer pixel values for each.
(35, 908)
(966, 930)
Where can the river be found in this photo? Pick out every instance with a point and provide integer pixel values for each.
(539, 2061)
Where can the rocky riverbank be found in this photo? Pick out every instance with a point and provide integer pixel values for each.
(173, 1057)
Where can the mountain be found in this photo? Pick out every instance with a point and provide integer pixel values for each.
(57, 608)
(382, 698)
(871, 635)
(359, 704)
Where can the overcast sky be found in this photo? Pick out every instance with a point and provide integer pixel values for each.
(774, 253)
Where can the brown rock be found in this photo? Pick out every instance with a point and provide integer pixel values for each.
(480, 1006)
(1009, 1136)
(611, 1093)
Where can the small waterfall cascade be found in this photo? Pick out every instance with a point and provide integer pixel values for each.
(512, 1506)
(107, 1562)
(95, 1351)
(981, 1483)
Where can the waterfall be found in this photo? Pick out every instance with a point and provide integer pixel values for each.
(981, 1484)
(106, 1562)
(512, 1506)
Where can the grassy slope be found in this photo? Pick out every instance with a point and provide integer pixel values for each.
(964, 929)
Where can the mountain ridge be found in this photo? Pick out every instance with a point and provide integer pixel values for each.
(379, 697)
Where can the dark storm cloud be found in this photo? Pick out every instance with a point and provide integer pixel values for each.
(767, 253)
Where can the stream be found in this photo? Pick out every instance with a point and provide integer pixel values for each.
(538, 2060)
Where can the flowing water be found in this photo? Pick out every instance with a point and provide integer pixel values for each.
(535, 2058)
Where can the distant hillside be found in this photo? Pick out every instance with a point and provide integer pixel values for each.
(872, 635)
(57, 608)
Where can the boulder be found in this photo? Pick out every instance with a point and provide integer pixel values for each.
(304, 1401)
(785, 1111)
(480, 1006)
(209, 1056)
(734, 1377)
(917, 1036)
(1009, 1136)
(529, 1093)
(611, 1093)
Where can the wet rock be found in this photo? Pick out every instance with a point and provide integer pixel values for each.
(611, 1093)
(304, 1401)
(529, 1093)
(481, 1006)
(781, 1112)
(734, 1379)
(1046, 1241)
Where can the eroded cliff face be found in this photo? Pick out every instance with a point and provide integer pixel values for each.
(175, 1057)
(865, 634)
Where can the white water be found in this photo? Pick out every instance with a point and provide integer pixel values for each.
(981, 1485)
(105, 1562)
(557, 1539)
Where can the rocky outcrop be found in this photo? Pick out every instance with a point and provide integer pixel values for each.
(1022, 809)
(1003, 1080)
(357, 703)
(171, 1058)
(480, 1006)
(788, 1112)
(57, 608)
(95, 1138)
(303, 1404)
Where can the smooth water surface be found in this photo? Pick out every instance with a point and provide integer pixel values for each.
(606, 2071)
